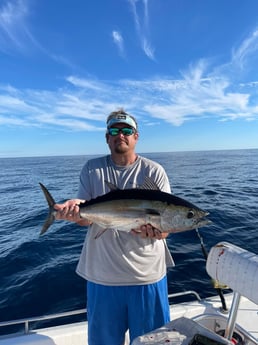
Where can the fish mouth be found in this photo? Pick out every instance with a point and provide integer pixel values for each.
(203, 222)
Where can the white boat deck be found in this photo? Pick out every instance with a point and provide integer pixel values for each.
(76, 334)
(247, 316)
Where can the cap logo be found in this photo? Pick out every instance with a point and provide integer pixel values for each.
(121, 117)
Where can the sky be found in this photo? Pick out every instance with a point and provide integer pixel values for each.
(186, 69)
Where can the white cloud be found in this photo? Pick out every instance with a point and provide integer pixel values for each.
(85, 83)
(203, 91)
(119, 42)
(246, 49)
(243, 59)
(16, 35)
(149, 51)
(14, 32)
(141, 21)
(85, 107)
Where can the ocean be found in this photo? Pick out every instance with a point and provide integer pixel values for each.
(37, 273)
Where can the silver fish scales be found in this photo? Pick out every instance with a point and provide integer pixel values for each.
(128, 209)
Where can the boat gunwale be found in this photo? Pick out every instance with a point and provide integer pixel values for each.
(48, 317)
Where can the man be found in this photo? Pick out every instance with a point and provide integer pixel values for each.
(125, 272)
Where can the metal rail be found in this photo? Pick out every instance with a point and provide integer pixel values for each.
(184, 293)
(28, 321)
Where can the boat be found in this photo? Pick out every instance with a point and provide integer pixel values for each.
(224, 319)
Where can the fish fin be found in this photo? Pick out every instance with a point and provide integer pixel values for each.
(51, 202)
(49, 221)
(100, 233)
(111, 186)
(149, 184)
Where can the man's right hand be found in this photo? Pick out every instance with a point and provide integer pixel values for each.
(70, 211)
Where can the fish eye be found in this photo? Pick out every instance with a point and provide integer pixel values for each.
(190, 214)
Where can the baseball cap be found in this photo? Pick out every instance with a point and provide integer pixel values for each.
(121, 118)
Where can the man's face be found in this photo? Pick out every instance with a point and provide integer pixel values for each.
(122, 143)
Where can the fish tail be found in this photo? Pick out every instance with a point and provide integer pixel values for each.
(51, 202)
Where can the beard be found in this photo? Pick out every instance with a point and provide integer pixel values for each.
(121, 146)
(120, 149)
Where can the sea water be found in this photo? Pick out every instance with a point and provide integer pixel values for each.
(37, 273)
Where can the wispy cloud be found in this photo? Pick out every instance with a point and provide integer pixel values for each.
(119, 42)
(173, 101)
(246, 49)
(243, 57)
(141, 20)
(16, 34)
(85, 83)
(202, 91)
(14, 31)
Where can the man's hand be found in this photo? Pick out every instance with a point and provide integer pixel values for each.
(148, 231)
(70, 211)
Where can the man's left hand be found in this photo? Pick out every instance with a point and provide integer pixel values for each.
(148, 231)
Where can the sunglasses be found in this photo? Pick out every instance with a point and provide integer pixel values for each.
(125, 131)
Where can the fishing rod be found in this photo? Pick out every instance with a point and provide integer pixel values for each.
(215, 283)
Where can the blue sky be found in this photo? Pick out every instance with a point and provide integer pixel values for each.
(187, 69)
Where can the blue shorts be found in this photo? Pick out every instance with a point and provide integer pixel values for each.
(112, 310)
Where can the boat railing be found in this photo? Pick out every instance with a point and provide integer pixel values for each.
(184, 293)
(28, 321)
